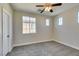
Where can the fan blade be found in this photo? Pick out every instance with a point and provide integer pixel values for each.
(39, 10)
(51, 10)
(42, 10)
(39, 5)
(57, 4)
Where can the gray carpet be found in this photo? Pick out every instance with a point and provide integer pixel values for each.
(44, 49)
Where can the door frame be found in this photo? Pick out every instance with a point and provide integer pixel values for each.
(10, 29)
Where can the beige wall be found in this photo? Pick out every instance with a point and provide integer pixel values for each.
(9, 9)
(68, 33)
(43, 32)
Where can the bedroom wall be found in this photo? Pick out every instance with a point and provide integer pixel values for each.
(68, 33)
(43, 32)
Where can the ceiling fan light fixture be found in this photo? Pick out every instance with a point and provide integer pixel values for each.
(51, 10)
(48, 8)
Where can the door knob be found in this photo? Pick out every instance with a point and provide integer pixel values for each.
(8, 36)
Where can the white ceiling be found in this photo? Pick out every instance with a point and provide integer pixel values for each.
(31, 7)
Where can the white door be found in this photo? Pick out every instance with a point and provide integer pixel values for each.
(5, 33)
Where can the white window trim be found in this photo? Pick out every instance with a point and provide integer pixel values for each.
(29, 25)
(78, 17)
(60, 21)
(47, 22)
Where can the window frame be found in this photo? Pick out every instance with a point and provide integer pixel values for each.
(29, 22)
(60, 21)
(78, 17)
(47, 22)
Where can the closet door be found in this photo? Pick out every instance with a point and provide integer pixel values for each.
(0, 31)
(6, 35)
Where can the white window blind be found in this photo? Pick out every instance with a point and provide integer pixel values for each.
(47, 22)
(60, 21)
(29, 24)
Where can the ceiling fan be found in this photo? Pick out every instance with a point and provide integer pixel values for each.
(48, 7)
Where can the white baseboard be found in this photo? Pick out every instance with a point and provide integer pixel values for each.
(22, 44)
(30, 43)
(72, 46)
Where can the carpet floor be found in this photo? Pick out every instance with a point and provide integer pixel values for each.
(44, 49)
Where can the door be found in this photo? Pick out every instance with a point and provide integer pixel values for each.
(5, 33)
(0, 31)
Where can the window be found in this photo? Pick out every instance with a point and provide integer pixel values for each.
(78, 17)
(47, 22)
(29, 24)
(60, 21)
